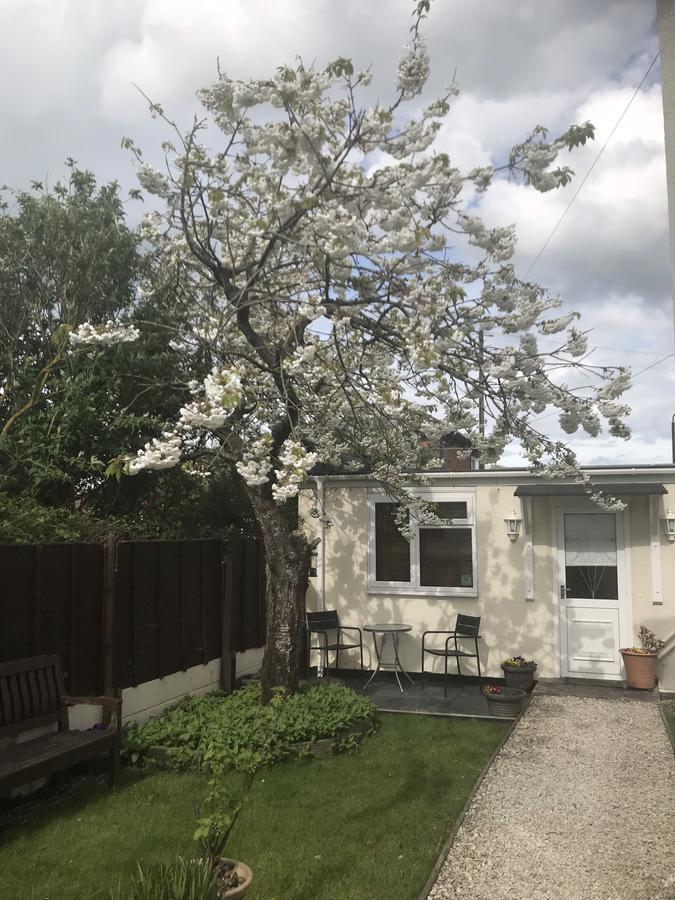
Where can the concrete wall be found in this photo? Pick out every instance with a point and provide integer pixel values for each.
(511, 623)
(152, 698)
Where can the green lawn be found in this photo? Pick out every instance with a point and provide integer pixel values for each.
(365, 826)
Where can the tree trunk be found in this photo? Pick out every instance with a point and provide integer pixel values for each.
(287, 558)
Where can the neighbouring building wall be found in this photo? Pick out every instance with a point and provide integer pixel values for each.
(666, 16)
(510, 623)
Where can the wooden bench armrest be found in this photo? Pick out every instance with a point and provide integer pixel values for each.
(112, 702)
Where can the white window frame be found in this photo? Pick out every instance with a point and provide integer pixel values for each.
(413, 587)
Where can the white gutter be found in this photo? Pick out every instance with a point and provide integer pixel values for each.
(320, 550)
(648, 473)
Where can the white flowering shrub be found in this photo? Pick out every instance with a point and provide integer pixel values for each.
(329, 294)
(159, 453)
(320, 288)
(101, 335)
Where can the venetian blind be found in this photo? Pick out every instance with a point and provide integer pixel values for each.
(455, 509)
(392, 550)
(445, 557)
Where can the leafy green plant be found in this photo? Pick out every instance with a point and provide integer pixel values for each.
(178, 879)
(216, 817)
(648, 640)
(236, 732)
(649, 643)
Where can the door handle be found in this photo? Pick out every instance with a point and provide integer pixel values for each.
(563, 592)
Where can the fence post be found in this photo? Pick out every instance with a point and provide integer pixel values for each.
(108, 633)
(228, 668)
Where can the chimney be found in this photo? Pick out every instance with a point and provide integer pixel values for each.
(451, 461)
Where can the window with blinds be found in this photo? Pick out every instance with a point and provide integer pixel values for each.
(439, 560)
(455, 510)
(446, 558)
(392, 550)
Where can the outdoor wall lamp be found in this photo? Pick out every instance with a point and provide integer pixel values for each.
(669, 525)
(313, 560)
(513, 526)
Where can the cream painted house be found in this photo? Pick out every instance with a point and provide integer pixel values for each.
(570, 590)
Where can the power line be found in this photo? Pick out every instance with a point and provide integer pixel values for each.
(633, 377)
(625, 350)
(590, 169)
(657, 363)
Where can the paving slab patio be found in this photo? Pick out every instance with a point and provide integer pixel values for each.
(464, 698)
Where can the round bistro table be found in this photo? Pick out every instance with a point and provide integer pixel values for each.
(393, 632)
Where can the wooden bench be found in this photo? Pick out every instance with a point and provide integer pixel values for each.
(32, 695)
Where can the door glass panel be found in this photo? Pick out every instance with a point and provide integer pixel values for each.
(590, 556)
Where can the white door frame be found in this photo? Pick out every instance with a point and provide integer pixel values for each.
(625, 600)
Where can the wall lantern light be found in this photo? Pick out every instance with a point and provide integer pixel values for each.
(513, 526)
(669, 525)
(313, 560)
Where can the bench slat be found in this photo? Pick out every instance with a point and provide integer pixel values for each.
(5, 703)
(16, 714)
(26, 705)
(41, 757)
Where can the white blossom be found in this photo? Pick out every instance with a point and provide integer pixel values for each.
(256, 463)
(413, 68)
(223, 387)
(320, 277)
(296, 463)
(159, 453)
(88, 335)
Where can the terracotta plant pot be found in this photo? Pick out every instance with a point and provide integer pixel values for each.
(245, 876)
(506, 705)
(519, 676)
(640, 669)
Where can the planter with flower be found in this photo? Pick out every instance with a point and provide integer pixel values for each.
(505, 702)
(640, 662)
(519, 672)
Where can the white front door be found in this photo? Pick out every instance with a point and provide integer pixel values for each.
(592, 594)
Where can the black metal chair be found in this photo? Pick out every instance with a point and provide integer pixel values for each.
(319, 624)
(466, 628)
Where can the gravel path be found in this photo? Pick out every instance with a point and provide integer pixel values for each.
(578, 805)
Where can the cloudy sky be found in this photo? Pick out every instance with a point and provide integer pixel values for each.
(68, 66)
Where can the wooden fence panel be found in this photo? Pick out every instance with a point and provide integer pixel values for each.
(170, 610)
(145, 647)
(86, 620)
(51, 602)
(18, 577)
(123, 614)
(214, 593)
(123, 617)
(192, 603)
(245, 593)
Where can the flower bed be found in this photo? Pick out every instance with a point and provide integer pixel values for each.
(237, 732)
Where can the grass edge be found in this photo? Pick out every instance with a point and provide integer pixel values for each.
(447, 846)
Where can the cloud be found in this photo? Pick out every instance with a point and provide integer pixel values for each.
(69, 67)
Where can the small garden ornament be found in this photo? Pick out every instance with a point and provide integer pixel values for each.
(640, 662)
(519, 672)
(504, 702)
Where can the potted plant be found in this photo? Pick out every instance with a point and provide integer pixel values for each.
(640, 662)
(177, 878)
(505, 702)
(519, 672)
(233, 877)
